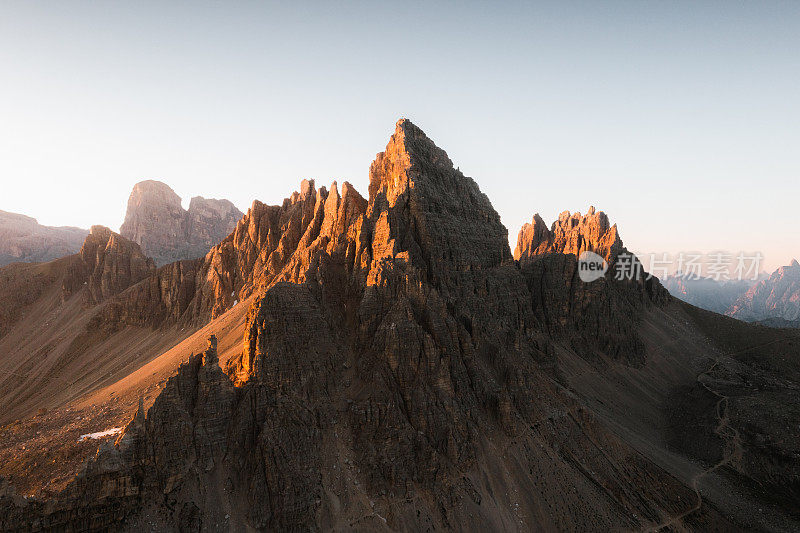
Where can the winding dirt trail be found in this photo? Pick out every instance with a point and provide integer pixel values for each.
(733, 449)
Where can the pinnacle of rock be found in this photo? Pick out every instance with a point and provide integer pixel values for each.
(421, 205)
(210, 356)
(140, 416)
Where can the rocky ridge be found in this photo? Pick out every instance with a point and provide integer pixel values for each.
(166, 232)
(598, 317)
(394, 347)
(107, 265)
(570, 234)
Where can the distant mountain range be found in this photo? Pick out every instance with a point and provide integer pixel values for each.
(23, 239)
(771, 301)
(707, 293)
(154, 220)
(776, 298)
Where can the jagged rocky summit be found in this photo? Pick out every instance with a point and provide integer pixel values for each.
(570, 234)
(396, 372)
(166, 232)
(604, 313)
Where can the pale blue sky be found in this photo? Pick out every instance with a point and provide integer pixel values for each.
(679, 119)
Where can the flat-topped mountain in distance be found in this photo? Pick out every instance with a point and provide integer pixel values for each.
(24, 240)
(166, 232)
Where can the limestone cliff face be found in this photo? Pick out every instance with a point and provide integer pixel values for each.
(394, 347)
(156, 221)
(777, 297)
(108, 264)
(163, 298)
(23, 239)
(279, 243)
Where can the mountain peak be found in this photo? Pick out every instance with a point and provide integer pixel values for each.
(156, 220)
(794, 263)
(149, 191)
(100, 231)
(426, 207)
(410, 154)
(152, 185)
(107, 264)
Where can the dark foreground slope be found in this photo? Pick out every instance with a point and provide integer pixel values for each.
(398, 369)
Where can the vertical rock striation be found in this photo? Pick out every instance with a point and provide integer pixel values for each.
(109, 264)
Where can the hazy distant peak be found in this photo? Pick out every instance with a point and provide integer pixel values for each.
(23, 239)
(156, 220)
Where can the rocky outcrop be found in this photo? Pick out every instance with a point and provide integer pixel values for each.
(23, 239)
(166, 232)
(597, 318)
(165, 297)
(279, 243)
(393, 374)
(570, 234)
(777, 297)
(108, 264)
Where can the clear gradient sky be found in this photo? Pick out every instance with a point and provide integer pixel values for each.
(681, 120)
